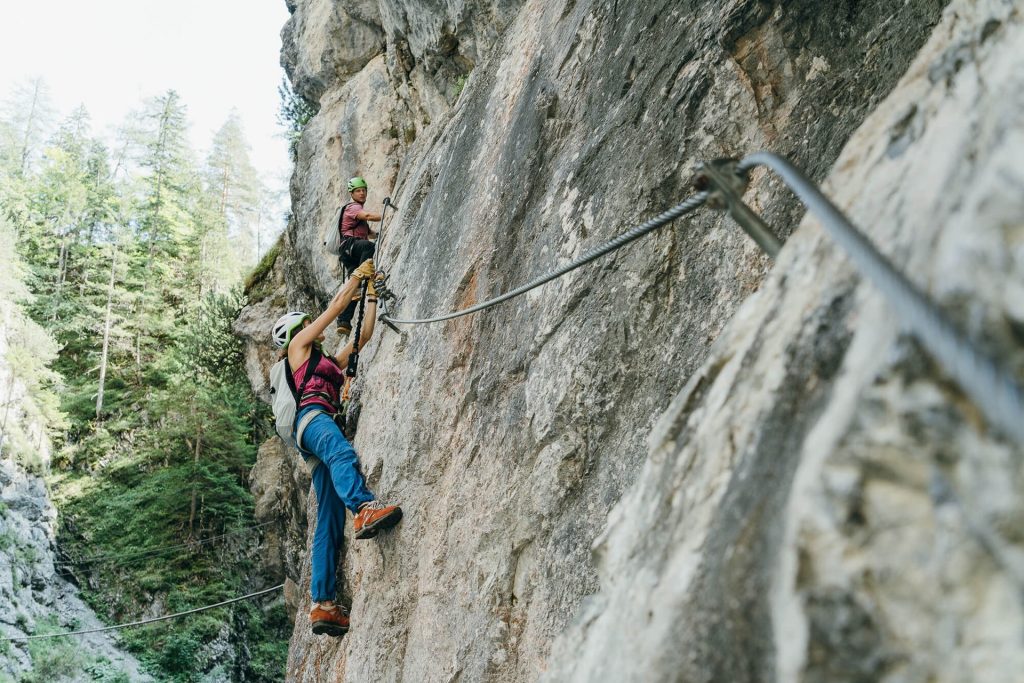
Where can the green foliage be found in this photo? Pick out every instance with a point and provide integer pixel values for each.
(200, 450)
(119, 297)
(28, 396)
(62, 659)
(53, 659)
(26, 118)
(102, 669)
(26, 555)
(258, 285)
(19, 553)
(268, 657)
(294, 113)
(460, 84)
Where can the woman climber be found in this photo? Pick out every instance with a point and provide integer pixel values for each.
(337, 479)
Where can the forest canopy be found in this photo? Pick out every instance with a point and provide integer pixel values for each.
(120, 279)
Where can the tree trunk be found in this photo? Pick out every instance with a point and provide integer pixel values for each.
(159, 170)
(28, 126)
(7, 411)
(62, 261)
(195, 466)
(224, 194)
(106, 335)
(259, 231)
(202, 263)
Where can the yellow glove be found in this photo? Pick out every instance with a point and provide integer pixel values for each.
(378, 279)
(364, 271)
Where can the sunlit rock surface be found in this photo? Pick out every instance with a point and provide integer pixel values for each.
(35, 595)
(683, 462)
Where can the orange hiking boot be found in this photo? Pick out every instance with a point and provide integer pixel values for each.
(332, 621)
(375, 516)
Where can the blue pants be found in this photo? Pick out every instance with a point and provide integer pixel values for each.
(338, 484)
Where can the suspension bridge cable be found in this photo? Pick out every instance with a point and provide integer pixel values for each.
(990, 386)
(156, 551)
(675, 212)
(145, 621)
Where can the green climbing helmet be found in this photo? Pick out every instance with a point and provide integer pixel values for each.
(356, 183)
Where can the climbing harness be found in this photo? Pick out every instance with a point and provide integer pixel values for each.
(146, 621)
(990, 386)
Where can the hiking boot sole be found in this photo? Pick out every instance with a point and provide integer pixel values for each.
(328, 628)
(371, 530)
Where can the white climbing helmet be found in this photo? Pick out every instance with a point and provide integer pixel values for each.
(285, 325)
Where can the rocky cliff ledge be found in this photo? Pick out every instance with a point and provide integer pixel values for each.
(36, 595)
(684, 462)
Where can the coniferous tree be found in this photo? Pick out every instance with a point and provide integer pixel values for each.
(25, 122)
(237, 192)
(161, 422)
(165, 228)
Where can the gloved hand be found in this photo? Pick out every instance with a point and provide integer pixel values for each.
(364, 271)
(370, 289)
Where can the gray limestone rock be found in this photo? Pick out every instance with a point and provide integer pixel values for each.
(32, 590)
(820, 503)
(683, 462)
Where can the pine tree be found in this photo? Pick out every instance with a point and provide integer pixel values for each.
(26, 119)
(165, 229)
(232, 180)
(160, 419)
(57, 208)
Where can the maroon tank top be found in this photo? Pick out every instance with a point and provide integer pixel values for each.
(323, 387)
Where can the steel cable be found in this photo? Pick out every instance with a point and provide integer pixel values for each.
(145, 621)
(991, 387)
(639, 231)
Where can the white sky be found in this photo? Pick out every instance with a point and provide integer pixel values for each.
(110, 55)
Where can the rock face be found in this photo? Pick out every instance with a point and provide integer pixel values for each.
(35, 596)
(820, 503)
(683, 462)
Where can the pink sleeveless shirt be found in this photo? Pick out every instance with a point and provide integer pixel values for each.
(323, 387)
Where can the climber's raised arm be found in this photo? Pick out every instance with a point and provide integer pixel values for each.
(302, 341)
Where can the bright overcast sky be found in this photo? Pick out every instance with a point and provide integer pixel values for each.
(112, 54)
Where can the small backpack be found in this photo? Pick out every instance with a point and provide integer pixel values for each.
(284, 397)
(332, 235)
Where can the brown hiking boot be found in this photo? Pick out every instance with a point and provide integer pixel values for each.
(375, 516)
(344, 329)
(332, 621)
